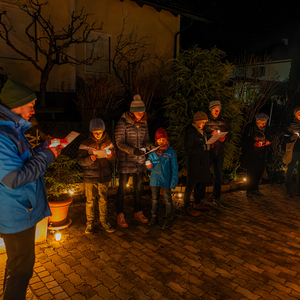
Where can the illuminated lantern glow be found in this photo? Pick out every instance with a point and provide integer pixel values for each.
(57, 236)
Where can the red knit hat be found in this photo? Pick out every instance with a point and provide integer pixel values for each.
(160, 134)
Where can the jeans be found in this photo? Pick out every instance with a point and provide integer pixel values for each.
(137, 191)
(217, 162)
(289, 176)
(92, 190)
(155, 201)
(19, 265)
(199, 191)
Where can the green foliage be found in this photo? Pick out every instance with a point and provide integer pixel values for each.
(198, 77)
(61, 177)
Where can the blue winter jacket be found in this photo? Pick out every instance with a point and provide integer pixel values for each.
(23, 197)
(164, 171)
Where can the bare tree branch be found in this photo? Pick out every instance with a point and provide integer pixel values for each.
(51, 44)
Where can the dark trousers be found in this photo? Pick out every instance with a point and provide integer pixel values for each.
(137, 191)
(217, 162)
(19, 265)
(166, 192)
(289, 176)
(253, 176)
(199, 191)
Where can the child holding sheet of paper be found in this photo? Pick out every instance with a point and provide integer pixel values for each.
(95, 155)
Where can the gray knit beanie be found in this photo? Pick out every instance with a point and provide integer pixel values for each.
(137, 105)
(261, 117)
(97, 124)
(199, 116)
(215, 103)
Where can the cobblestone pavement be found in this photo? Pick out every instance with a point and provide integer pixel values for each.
(248, 250)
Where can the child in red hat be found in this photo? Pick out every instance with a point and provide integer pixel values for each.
(164, 176)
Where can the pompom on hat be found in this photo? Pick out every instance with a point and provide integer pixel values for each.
(213, 104)
(200, 115)
(261, 117)
(97, 124)
(160, 134)
(15, 94)
(137, 105)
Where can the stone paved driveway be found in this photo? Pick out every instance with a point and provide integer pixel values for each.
(249, 250)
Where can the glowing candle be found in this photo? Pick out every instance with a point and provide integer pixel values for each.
(57, 236)
(148, 162)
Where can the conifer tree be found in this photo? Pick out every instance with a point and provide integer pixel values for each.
(198, 77)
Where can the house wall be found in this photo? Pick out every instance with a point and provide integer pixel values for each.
(282, 68)
(159, 27)
(278, 70)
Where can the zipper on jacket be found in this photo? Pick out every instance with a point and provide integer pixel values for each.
(29, 210)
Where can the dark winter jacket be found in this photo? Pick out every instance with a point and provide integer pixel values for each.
(130, 137)
(23, 197)
(294, 128)
(252, 155)
(197, 154)
(97, 171)
(218, 123)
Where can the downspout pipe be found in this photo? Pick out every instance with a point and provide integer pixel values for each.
(179, 32)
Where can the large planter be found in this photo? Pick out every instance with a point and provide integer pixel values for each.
(59, 211)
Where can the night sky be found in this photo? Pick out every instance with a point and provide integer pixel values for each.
(239, 26)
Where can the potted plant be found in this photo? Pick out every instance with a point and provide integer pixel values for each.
(61, 181)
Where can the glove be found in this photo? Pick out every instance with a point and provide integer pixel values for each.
(138, 152)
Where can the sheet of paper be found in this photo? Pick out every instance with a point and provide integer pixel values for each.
(215, 137)
(100, 153)
(71, 136)
(153, 149)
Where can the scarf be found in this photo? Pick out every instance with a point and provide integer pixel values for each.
(136, 122)
(162, 149)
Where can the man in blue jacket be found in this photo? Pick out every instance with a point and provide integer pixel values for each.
(23, 198)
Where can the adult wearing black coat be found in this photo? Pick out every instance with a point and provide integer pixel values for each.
(255, 140)
(198, 168)
(217, 124)
(292, 137)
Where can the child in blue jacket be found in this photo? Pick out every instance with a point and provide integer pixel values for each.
(164, 176)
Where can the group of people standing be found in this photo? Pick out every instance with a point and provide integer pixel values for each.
(133, 144)
(23, 197)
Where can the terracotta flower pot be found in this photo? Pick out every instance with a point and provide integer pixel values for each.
(59, 211)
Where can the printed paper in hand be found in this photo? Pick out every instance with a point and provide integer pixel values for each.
(215, 137)
(100, 153)
(71, 136)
